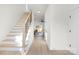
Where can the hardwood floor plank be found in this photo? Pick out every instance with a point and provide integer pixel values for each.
(39, 47)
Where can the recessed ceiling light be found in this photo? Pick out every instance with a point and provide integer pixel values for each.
(38, 11)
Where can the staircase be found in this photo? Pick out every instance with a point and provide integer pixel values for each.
(14, 43)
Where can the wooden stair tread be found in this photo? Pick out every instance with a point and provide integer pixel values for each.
(21, 27)
(10, 53)
(17, 27)
(15, 31)
(11, 39)
(14, 34)
(8, 42)
(18, 45)
(12, 45)
(9, 46)
(10, 49)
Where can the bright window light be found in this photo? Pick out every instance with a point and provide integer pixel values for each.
(18, 39)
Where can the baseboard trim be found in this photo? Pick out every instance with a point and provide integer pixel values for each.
(74, 52)
(59, 49)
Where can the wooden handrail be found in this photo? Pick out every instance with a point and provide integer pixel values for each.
(24, 19)
(27, 18)
(24, 24)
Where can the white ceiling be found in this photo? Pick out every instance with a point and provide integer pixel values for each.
(38, 7)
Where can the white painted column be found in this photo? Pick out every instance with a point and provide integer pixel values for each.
(27, 8)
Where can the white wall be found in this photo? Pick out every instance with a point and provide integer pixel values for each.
(38, 7)
(57, 29)
(9, 15)
(38, 16)
(57, 16)
(59, 23)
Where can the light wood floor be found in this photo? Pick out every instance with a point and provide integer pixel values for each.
(39, 47)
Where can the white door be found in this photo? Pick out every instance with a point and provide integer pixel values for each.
(75, 30)
(46, 30)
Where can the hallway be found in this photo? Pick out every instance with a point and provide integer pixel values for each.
(39, 47)
(60, 28)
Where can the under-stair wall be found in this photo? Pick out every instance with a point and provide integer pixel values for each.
(9, 15)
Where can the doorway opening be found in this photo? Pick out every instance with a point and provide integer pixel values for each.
(39, 31)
